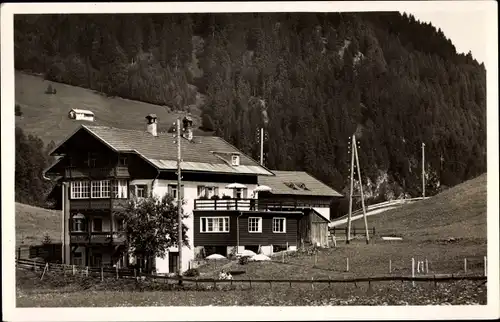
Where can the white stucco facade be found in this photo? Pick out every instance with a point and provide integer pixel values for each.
(161, 188)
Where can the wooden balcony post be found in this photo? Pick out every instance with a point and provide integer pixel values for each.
(236, 203)
(215, 204)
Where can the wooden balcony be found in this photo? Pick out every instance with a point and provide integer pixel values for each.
(253, 204)
(97, 173)
(98, 204)
(105, 237)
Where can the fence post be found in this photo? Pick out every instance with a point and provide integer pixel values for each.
(485, 265)
(34, 266)
(135, 273)
(73, 269)
(87, 271)
(19, 252)
(426, 266)
(283, 257)
(373, 228)
(347, 264)
(465, 265)
(250, 279)
(390, 266)
(315, 259)
(413, 270)
(312, 283)
(117, 276)
(286, 245)
(102, 274)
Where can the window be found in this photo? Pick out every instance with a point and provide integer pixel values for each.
(77, 259)
(79, 189)
(214, 224)
(207, 191)
(100, 189)
(120, 225)
(235, 159)
(97, 224)
(140, 190)
(123, 161)
(91, 159)
(96, 260)
(78, 223)
(120, 189)
(254, 224)
(279, 225)
(240, 193)
(173, 191)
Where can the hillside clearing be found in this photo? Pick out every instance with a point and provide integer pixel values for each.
(32, 223)
(47, 115)
(459, 212)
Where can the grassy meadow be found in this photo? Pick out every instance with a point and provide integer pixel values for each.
(47, 115)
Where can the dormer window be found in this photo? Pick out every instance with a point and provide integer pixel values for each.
(123, 161)
(235, 159)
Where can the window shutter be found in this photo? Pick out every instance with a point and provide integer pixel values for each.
(216, 191)
(133, 191)
(169, 189)
(200, 191)
(146, 192)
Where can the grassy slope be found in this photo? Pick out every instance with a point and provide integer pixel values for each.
(459, 212)
(47, 115)
(32, 223)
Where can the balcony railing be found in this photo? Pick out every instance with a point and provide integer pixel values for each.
(98, 204)
(97, 173)
(105, 237)
(253, 204)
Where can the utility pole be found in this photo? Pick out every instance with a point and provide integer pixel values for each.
(261, 146)
(361, 190)
(423, 170)
(179, 200)
(348, 237)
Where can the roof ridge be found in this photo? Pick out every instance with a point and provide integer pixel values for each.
(141, 131)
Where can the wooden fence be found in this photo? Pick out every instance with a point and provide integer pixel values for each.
(129, 273)
(354, 231)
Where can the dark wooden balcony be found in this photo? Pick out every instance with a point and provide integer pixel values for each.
(97, 173)
(253, 204)
(98, 204)
(105, 237)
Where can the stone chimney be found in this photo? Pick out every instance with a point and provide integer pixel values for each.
(151, 126)
(187, 127)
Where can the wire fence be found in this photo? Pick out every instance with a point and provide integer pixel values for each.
(116, 273)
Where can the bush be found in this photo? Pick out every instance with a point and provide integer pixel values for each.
(215, 197)
(46, 239)
(192, 272)
(17, 110)
(50, 90)
(243, 260)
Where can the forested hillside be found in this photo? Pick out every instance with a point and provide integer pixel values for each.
(311, 79)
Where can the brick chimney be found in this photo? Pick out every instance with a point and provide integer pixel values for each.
(151, 126)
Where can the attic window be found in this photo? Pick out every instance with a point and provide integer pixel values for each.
(235, 159)
(302, 186)
(291, 185)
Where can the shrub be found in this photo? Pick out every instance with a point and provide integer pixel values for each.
(226, 197)
(18, 111)
(215, 197)
(243, 260)
(49, 90)
(192, 272)
(46, 239)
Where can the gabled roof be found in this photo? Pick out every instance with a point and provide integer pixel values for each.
(77, 110)
(161, 151)
(297, 183)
